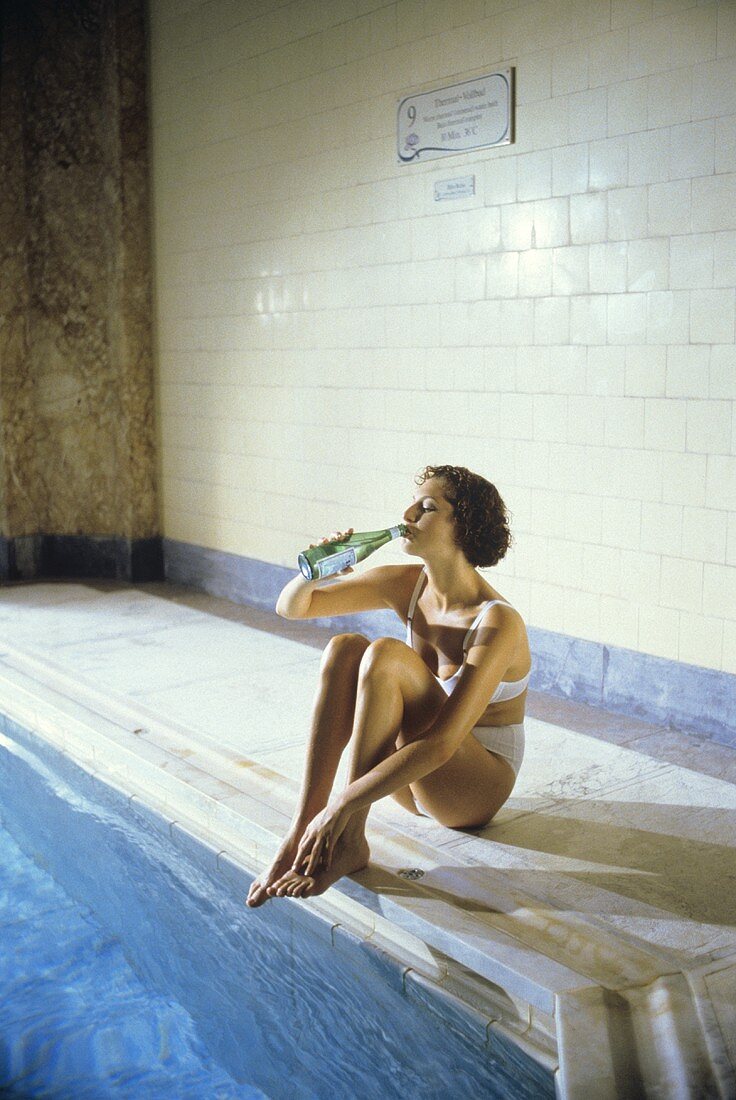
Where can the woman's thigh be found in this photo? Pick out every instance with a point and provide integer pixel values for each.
(467, 791)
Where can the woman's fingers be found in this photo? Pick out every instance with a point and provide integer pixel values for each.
(307, 852)
(312, 861)
(301, 853)
(318, 853)
(336, 536)
(312, 851)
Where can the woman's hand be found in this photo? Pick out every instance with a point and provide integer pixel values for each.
(336, 536)
(320, 837)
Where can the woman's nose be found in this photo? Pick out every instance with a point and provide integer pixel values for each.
(410, 513)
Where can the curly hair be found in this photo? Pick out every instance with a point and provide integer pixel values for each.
(481, 517)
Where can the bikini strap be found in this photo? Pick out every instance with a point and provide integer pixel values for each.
(415, 594)
(477, 621)
(412, 606)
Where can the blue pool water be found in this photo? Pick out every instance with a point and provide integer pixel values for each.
(221, 1000)
(75, 1020)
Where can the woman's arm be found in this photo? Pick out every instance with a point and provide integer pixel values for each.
(381, 587)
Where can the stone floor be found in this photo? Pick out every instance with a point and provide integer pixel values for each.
(614, 826)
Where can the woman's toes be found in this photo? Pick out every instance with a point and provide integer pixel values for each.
(257, 895)
(292, 885)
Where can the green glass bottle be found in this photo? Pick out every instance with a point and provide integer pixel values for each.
(332, 557)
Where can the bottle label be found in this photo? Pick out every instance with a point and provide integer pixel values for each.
(336, 562)
(395, 532)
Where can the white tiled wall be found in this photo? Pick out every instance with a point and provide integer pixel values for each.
(325, 328)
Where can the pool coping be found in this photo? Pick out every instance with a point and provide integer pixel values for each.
(497, 988)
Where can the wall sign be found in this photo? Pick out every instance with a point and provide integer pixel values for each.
(456, 119)
(454, 189)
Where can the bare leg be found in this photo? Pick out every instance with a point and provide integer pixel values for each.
(332, 721)
(378, 717)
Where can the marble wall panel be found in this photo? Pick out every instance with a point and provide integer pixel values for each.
(76, 369)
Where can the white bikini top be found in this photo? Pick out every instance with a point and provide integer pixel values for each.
(507, 689)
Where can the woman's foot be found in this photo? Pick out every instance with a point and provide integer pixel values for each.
(350, 856)
(282, 862)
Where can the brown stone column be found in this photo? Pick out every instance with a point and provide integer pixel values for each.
(77, 463)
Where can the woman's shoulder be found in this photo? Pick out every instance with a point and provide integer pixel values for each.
(493, 596)
(501, 611)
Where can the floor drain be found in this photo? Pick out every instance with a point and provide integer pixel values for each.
(411, 872)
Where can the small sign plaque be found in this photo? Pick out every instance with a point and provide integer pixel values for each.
(454, 189)
(457, 119)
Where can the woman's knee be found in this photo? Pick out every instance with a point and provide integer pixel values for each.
(383, 656)
(344, 652)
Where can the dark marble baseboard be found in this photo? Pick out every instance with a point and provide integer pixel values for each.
(34, 557)
(654, 689)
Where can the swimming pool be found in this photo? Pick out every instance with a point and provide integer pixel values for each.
(75, 1020)
(275, 999)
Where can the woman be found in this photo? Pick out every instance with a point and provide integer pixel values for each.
(436, 721)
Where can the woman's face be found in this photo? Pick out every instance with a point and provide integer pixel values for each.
(430, 520)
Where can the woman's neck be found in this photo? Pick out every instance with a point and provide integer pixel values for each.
(453, 582)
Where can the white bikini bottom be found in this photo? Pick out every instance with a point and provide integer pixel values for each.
(505, 741)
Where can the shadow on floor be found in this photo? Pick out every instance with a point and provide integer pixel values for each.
(652, 853)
